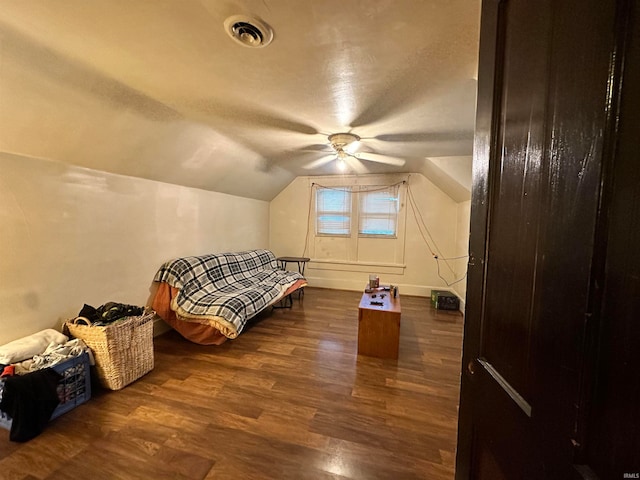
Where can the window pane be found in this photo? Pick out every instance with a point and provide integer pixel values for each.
(379, 211)
(378, 226)
(333, 225)
(333, 211)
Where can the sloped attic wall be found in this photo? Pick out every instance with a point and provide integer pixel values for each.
(57, 107)
(72, 235)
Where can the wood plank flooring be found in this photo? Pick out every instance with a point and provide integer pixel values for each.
(288, 399)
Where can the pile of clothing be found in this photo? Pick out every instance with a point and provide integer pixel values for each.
(29, 386)
(46, 348)
(53, 355)
(108, 313)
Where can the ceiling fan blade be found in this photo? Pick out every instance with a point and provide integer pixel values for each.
(295, 153)
(254, 116)
(319, 162)
(319, 147)
(425, 136)
(398, 91)
(376, 157)
(356, 165)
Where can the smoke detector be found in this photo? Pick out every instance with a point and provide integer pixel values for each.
(248, 31)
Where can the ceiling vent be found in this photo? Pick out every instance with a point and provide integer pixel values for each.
(248, 31)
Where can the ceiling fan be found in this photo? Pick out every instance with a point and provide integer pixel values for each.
(347, 149)
(345, 153)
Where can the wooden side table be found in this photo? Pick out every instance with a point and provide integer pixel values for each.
(379, 324)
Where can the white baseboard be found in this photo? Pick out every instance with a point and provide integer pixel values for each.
(462, 304)
(357, 285)
(160, 326)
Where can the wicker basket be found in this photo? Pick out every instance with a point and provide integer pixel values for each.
(123, 351)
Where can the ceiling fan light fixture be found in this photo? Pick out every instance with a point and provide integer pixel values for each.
(248, 31)
(352, 147)
(345, 146)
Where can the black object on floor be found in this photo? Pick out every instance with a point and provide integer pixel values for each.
(30, 400)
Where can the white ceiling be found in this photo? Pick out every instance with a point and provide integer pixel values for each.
(156, 89)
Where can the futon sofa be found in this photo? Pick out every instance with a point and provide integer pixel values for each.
(208, 299)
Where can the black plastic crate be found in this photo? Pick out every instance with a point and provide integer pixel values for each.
(444, 300)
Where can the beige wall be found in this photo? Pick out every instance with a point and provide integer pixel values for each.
(410, 265)
(72, 235)
(462, 247)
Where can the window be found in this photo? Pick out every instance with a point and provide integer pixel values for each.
(378, 213)
(333, 211)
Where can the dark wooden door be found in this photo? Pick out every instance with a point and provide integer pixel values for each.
(548, 78)
(610, 441)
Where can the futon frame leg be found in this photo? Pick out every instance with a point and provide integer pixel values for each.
(286, 302)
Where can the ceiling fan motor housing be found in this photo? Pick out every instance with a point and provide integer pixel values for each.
(340, 140)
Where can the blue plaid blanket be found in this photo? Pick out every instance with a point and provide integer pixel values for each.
(227, 289)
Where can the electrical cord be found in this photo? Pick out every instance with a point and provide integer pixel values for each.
(437, 256)
(444, 280)
(356, 191)
(306, 238)
(417, 213)
(419, 222)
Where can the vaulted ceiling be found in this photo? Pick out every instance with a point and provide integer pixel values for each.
(157, 89)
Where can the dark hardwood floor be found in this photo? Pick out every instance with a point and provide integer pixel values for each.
(288, 399)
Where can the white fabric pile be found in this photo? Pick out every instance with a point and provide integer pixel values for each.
(53, 355)
(31, 345)
(41, 350)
